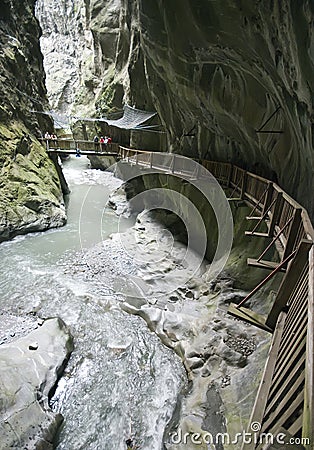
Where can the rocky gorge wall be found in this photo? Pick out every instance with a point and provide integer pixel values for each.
(30, 192)
(215, 72)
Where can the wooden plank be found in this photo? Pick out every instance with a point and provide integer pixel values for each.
(268, 198)
(297, 372)
(289, 338)
(296, 427)
(298, 308)
(248, 316)
(256, 233)
(263, 390)
(263, 264)
(293, 232)
(308, 413)
(284, 411)
(243, 185)
(284, 366)
(276, 214)
(293, 273)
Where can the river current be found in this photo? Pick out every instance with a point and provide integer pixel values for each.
(120, 380)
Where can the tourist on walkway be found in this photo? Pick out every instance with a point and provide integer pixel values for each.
(96, 143)
(102, 143)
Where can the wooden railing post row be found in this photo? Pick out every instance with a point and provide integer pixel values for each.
(269, 196)
(293, 232)
(276, 213)
(229, 175)
(308, 410)
(243, 185)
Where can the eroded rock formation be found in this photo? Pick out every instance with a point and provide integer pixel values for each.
(30, 194)
(215, 72)
(30, 367)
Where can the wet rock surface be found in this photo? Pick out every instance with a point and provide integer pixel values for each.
(30, 366)
(189, 314)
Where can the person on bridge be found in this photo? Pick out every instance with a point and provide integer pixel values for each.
(54, 139)
(102, 143)
(96, 143)
(47, 135)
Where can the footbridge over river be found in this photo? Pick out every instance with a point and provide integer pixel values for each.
(80, 147)
(284, 403)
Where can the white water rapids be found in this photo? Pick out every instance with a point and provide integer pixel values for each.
(120, 379)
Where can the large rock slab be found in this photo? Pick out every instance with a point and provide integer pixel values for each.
(29, 369)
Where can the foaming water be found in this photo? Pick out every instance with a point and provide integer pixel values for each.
(120, 379)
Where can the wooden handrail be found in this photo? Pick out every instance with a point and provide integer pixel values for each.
(299, 241)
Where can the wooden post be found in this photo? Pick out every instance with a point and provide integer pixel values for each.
(243, 186)
(151, 160)
(173, 163)
(289, 282)
(269, 277)
(308, 410)
(269, 196)
(229, 175)
(293, 232)
(276, 213)
(136, 157)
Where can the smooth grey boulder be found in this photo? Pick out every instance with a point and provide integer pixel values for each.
(29, 370)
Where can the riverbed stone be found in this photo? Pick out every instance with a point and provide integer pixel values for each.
(30, 367)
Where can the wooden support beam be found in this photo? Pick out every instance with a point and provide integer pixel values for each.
(288, 283)
(249, 316)
(293, 232)
(263, 264)
(256, 233)
(264, 216)
(269, 277)
(276, 214)
(230, 175)
(268, 197)
(243, 185)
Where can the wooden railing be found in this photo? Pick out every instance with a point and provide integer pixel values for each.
(72, 145)
(285, 400)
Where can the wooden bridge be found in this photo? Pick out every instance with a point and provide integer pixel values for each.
(285, 399)
(88, 148)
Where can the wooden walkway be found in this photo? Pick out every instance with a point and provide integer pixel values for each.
(285, 399)
(73, 147)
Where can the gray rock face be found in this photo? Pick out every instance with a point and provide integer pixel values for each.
(214, 71)
(29, 368)
(30, 194)
(79, 43)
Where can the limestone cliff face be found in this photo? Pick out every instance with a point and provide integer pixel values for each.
(30, 194)
(216, 71)
(79, 43)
